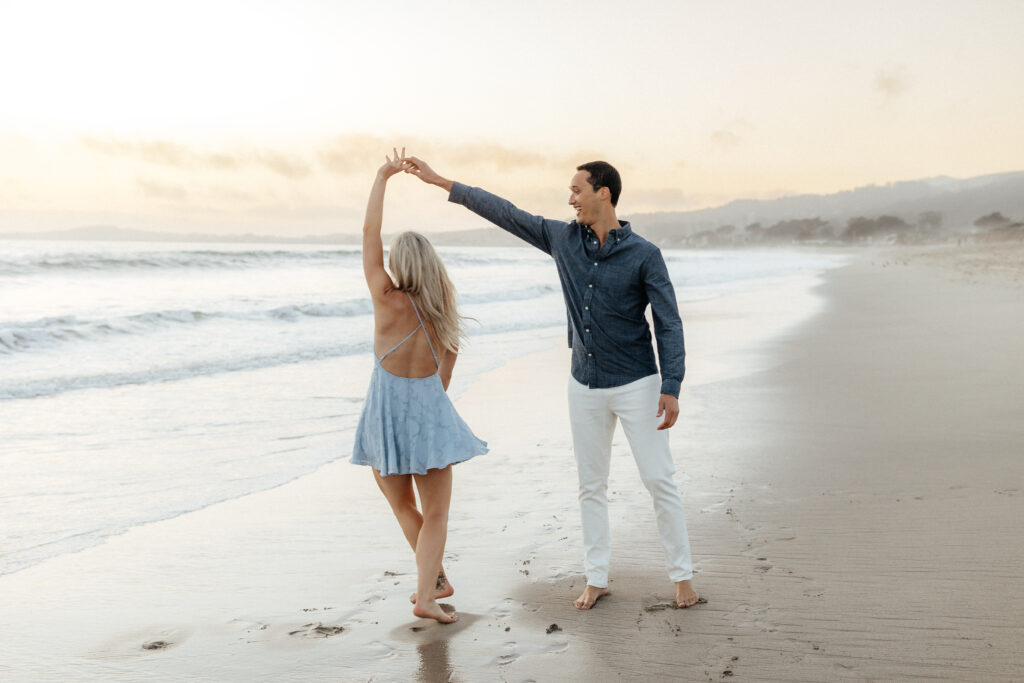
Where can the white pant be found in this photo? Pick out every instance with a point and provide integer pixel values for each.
(592, 413)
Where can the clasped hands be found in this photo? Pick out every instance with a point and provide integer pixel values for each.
(407, 164)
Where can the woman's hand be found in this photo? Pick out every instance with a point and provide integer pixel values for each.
(393, 165)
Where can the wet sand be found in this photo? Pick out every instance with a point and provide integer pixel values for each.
(854, 488)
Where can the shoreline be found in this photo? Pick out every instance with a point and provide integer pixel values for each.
(825, 485)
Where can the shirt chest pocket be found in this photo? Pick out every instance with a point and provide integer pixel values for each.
(620, 291)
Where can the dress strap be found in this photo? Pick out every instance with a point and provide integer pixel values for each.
(432, 353)
(407, 338)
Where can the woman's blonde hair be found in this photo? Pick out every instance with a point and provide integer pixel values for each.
(418, 270)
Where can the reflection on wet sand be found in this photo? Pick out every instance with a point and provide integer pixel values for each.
(434, 662)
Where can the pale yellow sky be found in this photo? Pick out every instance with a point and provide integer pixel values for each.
(270, 117)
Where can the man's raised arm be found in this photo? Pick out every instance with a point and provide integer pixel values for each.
(535, 230)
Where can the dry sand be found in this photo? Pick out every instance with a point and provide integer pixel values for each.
(854, 486)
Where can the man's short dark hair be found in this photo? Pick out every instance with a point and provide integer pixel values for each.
(603, 174)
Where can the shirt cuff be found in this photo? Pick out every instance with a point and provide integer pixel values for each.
(458, 192)
(670, 387)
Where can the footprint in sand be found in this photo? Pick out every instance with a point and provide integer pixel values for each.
(376, 596)
(317, 630)
(658, 605)
(503, 608)
(143, 642)
(165, 640)
(502, 660)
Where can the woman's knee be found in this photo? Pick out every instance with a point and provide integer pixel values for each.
(435, 516)
(405, 506)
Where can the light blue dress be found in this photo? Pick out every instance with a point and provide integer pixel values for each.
(408, 424)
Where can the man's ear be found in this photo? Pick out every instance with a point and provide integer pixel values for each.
(604, 193)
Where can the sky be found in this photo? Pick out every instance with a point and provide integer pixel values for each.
(271, 117)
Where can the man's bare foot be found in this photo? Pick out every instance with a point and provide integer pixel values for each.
(590, 596)
(432, 610)
(442, 589)
(685, 595)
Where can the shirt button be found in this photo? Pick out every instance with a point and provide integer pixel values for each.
(586, 329)
(591, 286)
(595, 263)
(591, 355)
(586, 308)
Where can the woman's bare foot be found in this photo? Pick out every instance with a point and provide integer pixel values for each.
(442, 589)
(685, 595)
(589, 597)
(431, 610)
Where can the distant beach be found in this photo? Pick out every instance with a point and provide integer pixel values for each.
(848, 452)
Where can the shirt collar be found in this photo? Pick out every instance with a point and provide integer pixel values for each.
(617, 235)
(622, 232)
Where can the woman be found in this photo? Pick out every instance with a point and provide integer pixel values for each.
(409, 430)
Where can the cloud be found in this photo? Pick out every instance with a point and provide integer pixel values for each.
(222, 162)
(891, 83)
(725, 139)
(230, 195)
(731, 135)
(350, 154)
(283, 164)
(489, 154)
(353, 154)
(176, 155)
(346, 155)
(156, 190)
(581, 157)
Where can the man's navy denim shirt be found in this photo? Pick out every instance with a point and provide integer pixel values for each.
(606, 291)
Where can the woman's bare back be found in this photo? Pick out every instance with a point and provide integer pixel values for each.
(394, 319)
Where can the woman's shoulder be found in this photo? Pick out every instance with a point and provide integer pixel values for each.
(392, 305)
(394, 298)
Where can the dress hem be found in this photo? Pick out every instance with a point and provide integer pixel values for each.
(417, 470)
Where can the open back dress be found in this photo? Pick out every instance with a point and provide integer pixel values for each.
(408, 424)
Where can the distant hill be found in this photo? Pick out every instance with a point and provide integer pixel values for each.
(959, 201)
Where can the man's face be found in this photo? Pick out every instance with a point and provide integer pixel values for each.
(583, 198)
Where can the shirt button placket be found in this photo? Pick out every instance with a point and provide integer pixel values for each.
(588, 338)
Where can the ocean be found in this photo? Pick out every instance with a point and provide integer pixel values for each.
(141, 381)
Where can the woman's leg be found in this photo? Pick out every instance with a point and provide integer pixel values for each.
(397, 488)
(435, 489)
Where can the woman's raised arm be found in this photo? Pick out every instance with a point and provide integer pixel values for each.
(377, 279)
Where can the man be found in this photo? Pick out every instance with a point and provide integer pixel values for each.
(609, 275)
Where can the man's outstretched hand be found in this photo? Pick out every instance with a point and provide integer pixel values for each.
(422, 170)
(668, 406)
